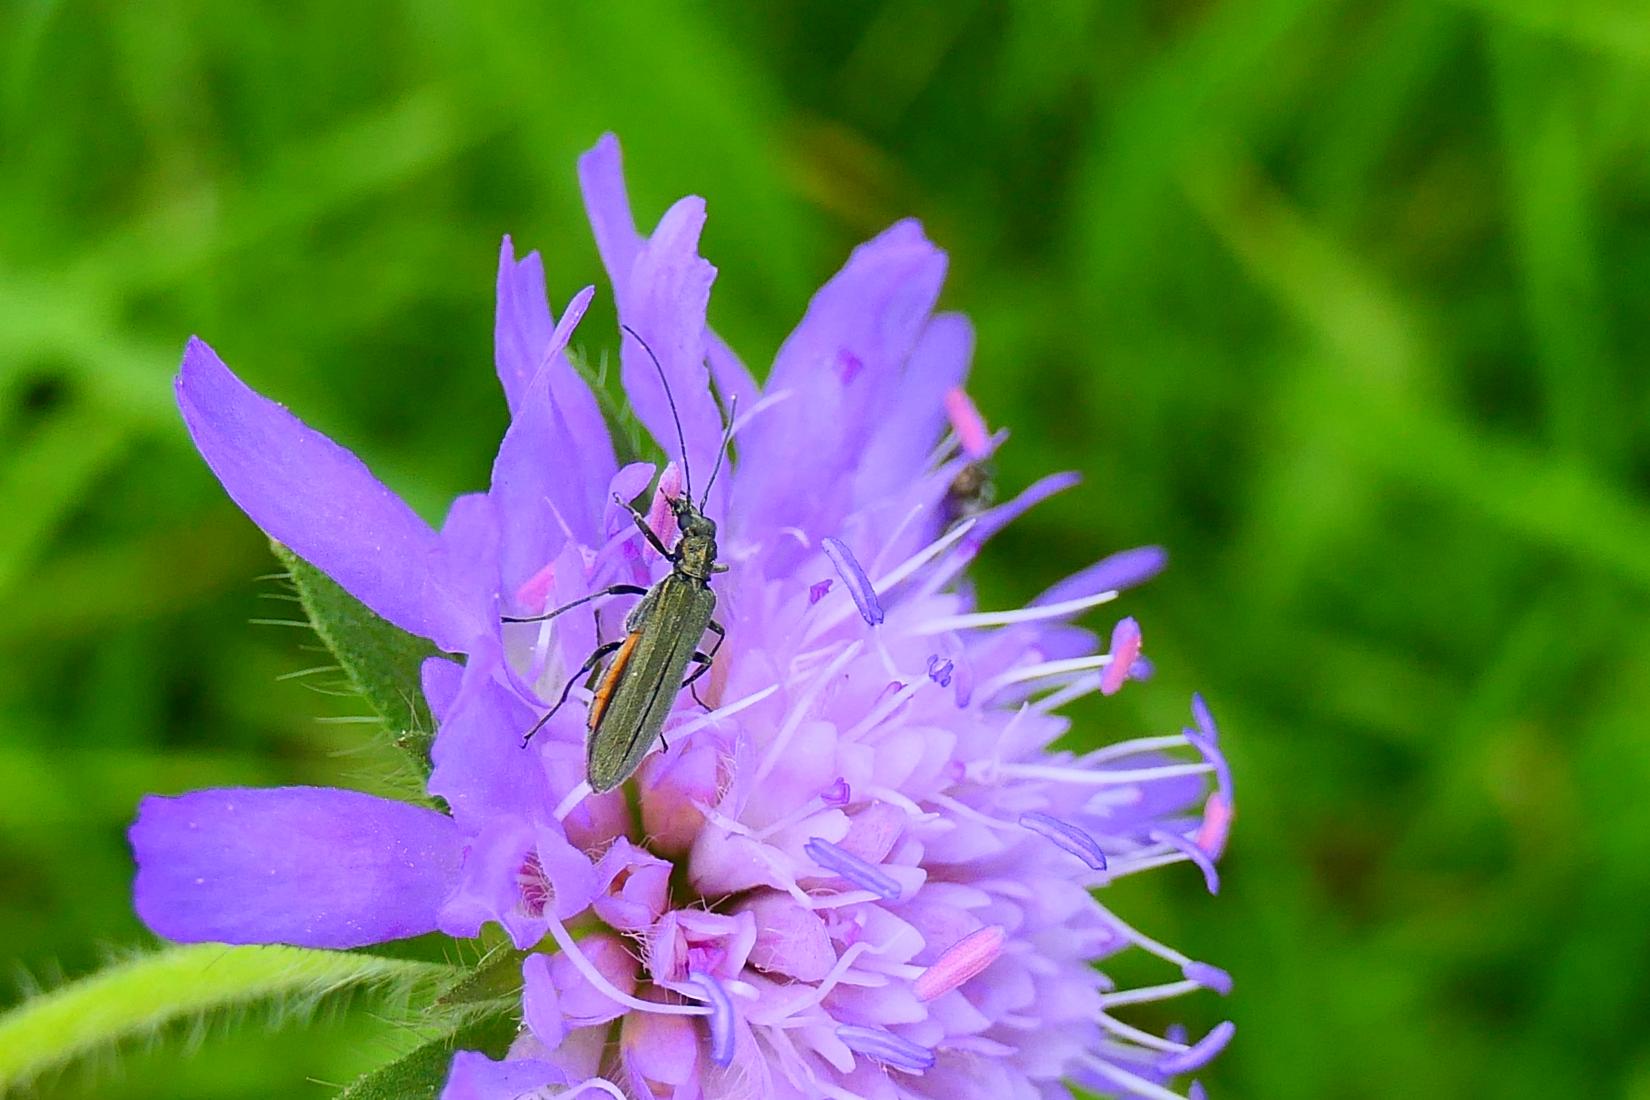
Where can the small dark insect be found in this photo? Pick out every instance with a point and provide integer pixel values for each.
(971, 492)
(636, 691)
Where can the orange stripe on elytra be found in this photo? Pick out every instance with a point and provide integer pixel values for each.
(610, 680)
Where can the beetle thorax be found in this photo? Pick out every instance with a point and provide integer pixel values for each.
(696, 549)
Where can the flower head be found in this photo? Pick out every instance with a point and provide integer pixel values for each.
(860, 869)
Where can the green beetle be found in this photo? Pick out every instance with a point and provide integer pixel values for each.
(636, 691)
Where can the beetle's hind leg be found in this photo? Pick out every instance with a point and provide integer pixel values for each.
(567, 689)
(704, 660)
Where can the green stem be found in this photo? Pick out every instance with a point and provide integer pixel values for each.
(144, 994)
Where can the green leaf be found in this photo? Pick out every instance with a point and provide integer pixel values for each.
(142, 995)
(381, 660)
(420, 1073)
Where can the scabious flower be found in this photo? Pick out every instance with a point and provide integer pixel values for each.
(862, 871)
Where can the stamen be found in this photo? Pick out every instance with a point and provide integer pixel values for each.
(581, 962)
(927, 554)
(1193, 852)
(800, 710)
(886, 1047)
(694, 725)
(1042, 670)
(817, 591)
(967, 422)
(1125, 647)
(1143, 1038)
(721, 1017)
(965, 959)
(890, 701)
(1031, 614)
(1209, 977)
(859, 585)
(939, 670)
(1201, 1053)
(1082, 777)
(1067, 837)
(1147, 994)
(567, 805)
(1205, 720)
(813, 995)
(837, 794)
(851, 867)
(1132, 1083)
(1212, 834)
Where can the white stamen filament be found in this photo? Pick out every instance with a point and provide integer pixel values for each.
(1148, 994)
(986, 770)
(1087, 684)
(1143, 1038)
(818, 993)
(1134, 748)
(882, 711)
(581, 962)
(694, 725)
(1043, 670)
(601, 1084)
(977, 619)
(1135, 1085)
(575, 796)
(800, 710)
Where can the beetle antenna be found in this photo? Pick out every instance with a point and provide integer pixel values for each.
(727, 437)
(681, 440)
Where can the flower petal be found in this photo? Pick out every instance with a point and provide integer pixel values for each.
(554, 464)
(474, 1076)
(662, 287)
(843, 367)
(311, 866)
(317, 498)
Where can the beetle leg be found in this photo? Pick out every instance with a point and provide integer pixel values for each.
(567, 689)
(703, 660)
(610, 590)
(641, 524)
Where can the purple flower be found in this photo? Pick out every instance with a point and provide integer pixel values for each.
(861, 872)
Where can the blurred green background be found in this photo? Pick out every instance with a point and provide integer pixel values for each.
(1343, 302)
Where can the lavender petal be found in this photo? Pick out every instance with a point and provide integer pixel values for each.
(311, 866)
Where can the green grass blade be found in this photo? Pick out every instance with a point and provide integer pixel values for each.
(141, 996)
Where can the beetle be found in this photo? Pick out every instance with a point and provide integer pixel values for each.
(637, 689)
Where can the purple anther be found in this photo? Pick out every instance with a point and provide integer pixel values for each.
(817, 591)
(886, 1047)
(1209, 977)
(1200, 1053)
(720, 1019)
(1192, 851)
(1067, 837)
(852, 868)
(939, 670)
(859, 585)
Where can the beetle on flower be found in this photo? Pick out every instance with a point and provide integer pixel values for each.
(862, 872)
